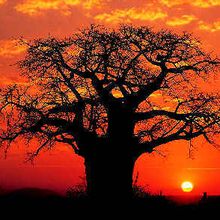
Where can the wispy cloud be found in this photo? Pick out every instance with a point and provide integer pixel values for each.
(10, 48)
(204, 168)
(211, 27)
(183, 20)
(205, 3)
(89, 4)
(2, 2)
(196, 3)
(37, 7)
(131, 14)
(172, 3)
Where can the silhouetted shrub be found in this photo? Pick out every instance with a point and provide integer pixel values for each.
(77, 192)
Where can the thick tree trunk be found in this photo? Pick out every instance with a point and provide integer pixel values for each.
(109, 166)
(109, 176)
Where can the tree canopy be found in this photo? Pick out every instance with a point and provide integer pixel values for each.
(149, 80)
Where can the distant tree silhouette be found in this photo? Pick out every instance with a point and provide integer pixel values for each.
(112, 95)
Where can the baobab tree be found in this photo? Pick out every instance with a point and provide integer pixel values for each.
(112, 95)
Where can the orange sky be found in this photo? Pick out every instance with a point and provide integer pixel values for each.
(60, 168)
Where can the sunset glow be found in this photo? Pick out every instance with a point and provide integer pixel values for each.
(59, 168)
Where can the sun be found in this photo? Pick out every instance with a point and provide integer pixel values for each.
(187, 186)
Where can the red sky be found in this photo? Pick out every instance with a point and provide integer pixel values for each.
(60, 168)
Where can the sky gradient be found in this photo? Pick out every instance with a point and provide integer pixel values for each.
(60, 168)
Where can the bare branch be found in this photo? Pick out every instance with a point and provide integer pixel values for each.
(112, 87)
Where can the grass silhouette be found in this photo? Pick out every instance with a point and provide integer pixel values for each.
(76, 201)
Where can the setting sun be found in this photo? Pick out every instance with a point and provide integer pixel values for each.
(187, 186)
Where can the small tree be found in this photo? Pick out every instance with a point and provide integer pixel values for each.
(94, 91)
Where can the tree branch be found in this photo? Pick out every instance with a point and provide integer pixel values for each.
(181, 134)
(173, 115)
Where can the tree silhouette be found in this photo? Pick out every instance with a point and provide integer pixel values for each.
(112, 95)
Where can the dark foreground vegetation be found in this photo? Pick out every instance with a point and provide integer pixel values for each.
(31, 203)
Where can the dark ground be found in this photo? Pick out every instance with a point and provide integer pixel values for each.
(38, 203)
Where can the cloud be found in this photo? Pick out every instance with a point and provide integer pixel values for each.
(2, 2)
(172, 3)
(197, 3)
(213, 27)
(204, 168)
(10, 48)
(206, 3)
(183, 20)
(36, 7)
(89, 4)
(131, 14)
